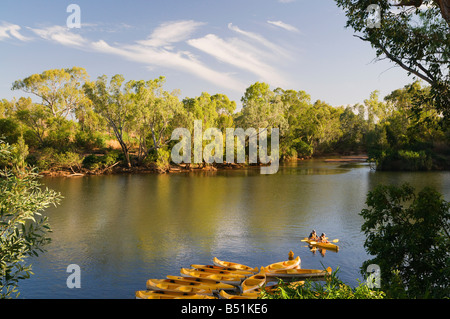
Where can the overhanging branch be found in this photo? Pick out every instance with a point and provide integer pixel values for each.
(401, 64)
(444, 6)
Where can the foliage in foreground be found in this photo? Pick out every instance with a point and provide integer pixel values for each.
(408, 235)
(331, 288)
(23, 229)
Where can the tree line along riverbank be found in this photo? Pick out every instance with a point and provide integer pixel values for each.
(65, 122)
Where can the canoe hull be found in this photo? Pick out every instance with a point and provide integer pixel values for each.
(169, 295)
(227, 279)
(177, 286)
(222, 270)
(230, 264)
(213, 284)
(299, 273)
(282, 265)
(254, 282)
(251, 295)
(329, 246)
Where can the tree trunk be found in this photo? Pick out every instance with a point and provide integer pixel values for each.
(444, 5)
(121, 142)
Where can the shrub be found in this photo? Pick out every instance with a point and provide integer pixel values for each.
(9, 130)
(331, 288)
(95, 162)
(408, 235)
(45, 158)
(88, 140)
(24, 230)
(50, 159)
(163, 160)
(403, 160)
(68, 160)
(304, 149)
(61, 134)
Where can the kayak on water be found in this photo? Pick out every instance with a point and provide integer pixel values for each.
(328, 245)
(289, 264)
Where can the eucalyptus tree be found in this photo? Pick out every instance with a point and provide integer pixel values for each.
(376, 110)
(323, 121)
(413, 34)
(157, 111)
(33, 117)
(262, 108)
(60, 90)
(6, 108)
(294, 142)
(115, 103)
(225, 109)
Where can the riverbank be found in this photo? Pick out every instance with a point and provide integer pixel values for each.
(147, 169)
(117, 168)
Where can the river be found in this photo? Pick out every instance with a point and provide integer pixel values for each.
(124, 229)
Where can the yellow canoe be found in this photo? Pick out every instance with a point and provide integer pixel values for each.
(254, 282)
(214, 285)
(289, 264)
(219, 272)
(142, 294)
(177, 286)
(329, 246)
(230, 264)
(225, 278)
(248, 295)
(298, 273)
(224, 270)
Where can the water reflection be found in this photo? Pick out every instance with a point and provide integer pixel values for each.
(123, 230)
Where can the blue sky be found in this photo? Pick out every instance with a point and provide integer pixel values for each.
(198, 45)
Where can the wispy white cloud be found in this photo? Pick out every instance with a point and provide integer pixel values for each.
(154, 51)
(260, 39)
(181, 60)
(286, 1)
(61, 35)
(246, 53)
(8, 30)
(238, 54)
(283, 25)
(171, 32)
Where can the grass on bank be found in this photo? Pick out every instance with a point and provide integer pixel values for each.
(330, 288)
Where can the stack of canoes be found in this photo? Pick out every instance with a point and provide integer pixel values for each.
(225, 280)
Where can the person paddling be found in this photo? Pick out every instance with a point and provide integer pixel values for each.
(323, 238)
(313, 236)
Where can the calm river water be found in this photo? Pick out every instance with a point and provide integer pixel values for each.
(122, 230)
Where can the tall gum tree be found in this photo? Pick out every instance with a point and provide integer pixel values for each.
(60, 90)
(116, 105)
(414, 34)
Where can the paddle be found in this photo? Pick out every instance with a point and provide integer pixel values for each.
(313, 242)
